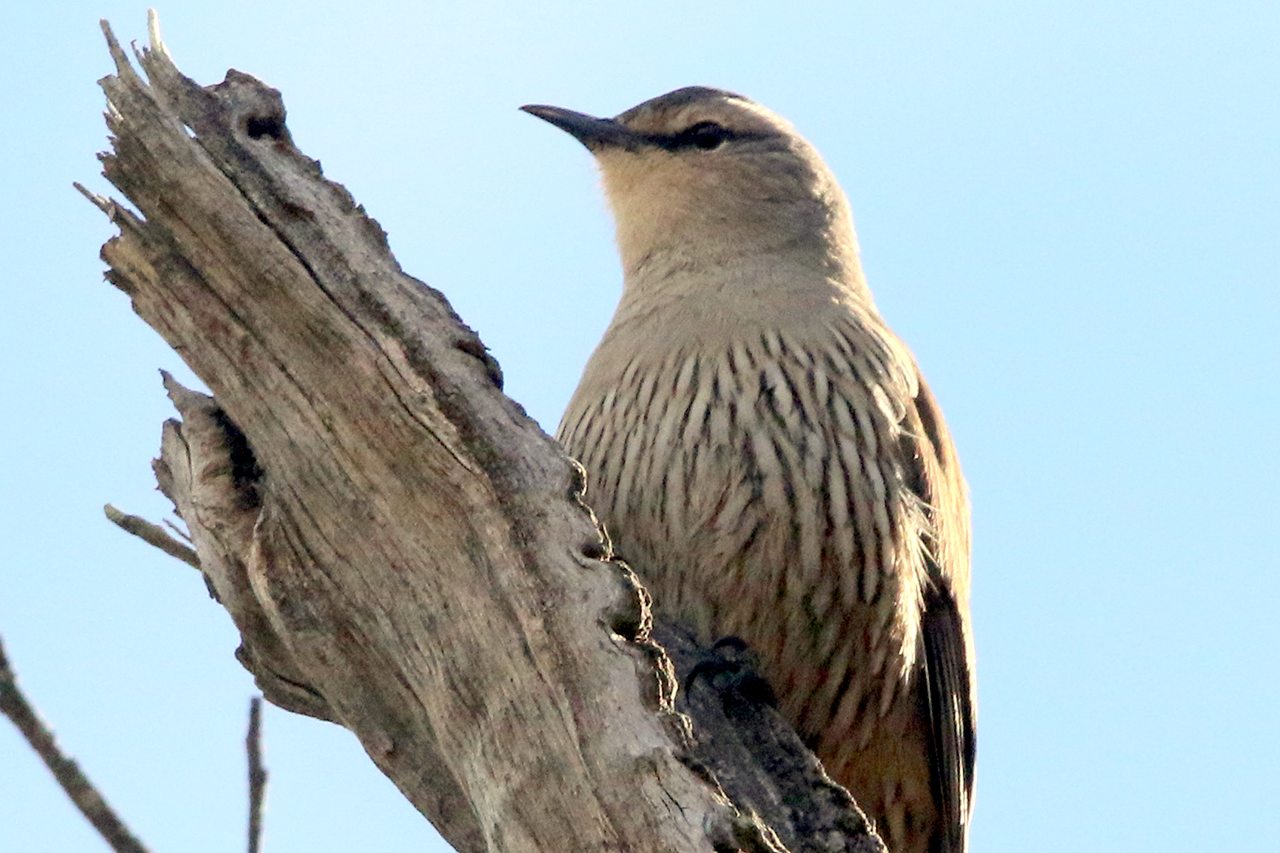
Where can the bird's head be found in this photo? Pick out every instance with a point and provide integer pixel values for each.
(699, 176)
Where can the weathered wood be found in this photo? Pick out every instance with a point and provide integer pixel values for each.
(754, 755)
(402, 549)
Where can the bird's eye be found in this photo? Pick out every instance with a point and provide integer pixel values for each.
(706, 135)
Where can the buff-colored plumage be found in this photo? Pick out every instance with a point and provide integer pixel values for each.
(765, 453)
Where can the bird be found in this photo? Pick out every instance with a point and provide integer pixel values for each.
(765, 453)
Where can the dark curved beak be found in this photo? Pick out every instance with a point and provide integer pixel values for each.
(595, 133)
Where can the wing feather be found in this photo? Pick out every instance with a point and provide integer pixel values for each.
(948, 644)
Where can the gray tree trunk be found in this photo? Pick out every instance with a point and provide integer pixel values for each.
(403, 550)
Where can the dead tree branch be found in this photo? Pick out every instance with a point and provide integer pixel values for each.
(15, 705)
(152, 534)
(403, 551)
(257, 774)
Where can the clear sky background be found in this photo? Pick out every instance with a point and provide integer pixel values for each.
(1070, 211)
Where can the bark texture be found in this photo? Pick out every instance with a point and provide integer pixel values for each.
(403, 550)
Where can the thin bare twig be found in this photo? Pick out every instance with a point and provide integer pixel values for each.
(257, 773)
(152, 534)
(78, 787)
(181, 534)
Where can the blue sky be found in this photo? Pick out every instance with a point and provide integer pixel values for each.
(1070, 211)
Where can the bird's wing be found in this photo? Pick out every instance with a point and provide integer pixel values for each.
(947, 644)
(951, 717)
